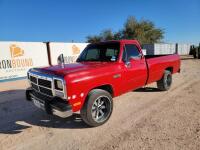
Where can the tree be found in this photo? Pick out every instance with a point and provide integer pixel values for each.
(118, 35)
(144, 31)
(103, 36)
(93, 39)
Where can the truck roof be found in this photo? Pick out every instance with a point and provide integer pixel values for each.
(121, 41)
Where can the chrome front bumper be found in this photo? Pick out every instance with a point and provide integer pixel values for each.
(52, 105)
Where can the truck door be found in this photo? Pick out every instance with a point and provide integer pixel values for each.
(135, 67)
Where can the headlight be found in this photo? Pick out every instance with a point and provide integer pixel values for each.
(58, 85)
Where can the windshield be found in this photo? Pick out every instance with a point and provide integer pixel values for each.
(100, 52)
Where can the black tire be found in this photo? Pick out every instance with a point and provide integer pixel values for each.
(198, 53)
(92, 108)
(194, 55)
(164, 84)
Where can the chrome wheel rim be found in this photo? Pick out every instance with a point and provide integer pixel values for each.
(168, 80)
(101, 109)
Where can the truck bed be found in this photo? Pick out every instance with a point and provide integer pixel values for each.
(154, 56)
(156, 65)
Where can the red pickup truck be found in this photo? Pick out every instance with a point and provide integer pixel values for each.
(103, 71)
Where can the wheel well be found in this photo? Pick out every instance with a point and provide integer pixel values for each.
(170, 69)
(107, 88)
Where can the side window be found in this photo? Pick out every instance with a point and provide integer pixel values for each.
(130, 51)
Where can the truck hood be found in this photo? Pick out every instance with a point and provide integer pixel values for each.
(75, 68)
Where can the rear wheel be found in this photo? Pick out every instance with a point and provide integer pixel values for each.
(165, 83)
(97, 108)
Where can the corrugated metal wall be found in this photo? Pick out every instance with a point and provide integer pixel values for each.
(164, 48)
(149, 49)
(183, 49)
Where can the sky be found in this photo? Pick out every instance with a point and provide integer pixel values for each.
(67, 20)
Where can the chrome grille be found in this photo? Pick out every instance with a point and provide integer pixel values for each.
(46, 91)
(41, 84)
(33, 79)
(44, 83)
(34, 86)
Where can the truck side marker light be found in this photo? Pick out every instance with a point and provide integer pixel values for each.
(76, 104)
(117, 76)
(73, 96)
(82, 94)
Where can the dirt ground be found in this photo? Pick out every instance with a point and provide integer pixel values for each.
(142, 119)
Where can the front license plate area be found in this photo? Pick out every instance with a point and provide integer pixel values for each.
(38, 104)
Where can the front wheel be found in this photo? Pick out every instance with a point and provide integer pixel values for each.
(97, 108)
(165, 82)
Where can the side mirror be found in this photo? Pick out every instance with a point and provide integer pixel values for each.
(134, 58)
(61, 60)
(128, 63)
(140, 56)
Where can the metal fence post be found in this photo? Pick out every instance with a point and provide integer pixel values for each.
(176, 48)
(48, 52)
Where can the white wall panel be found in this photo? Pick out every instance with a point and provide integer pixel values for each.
(17, 57)
(71, 51)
